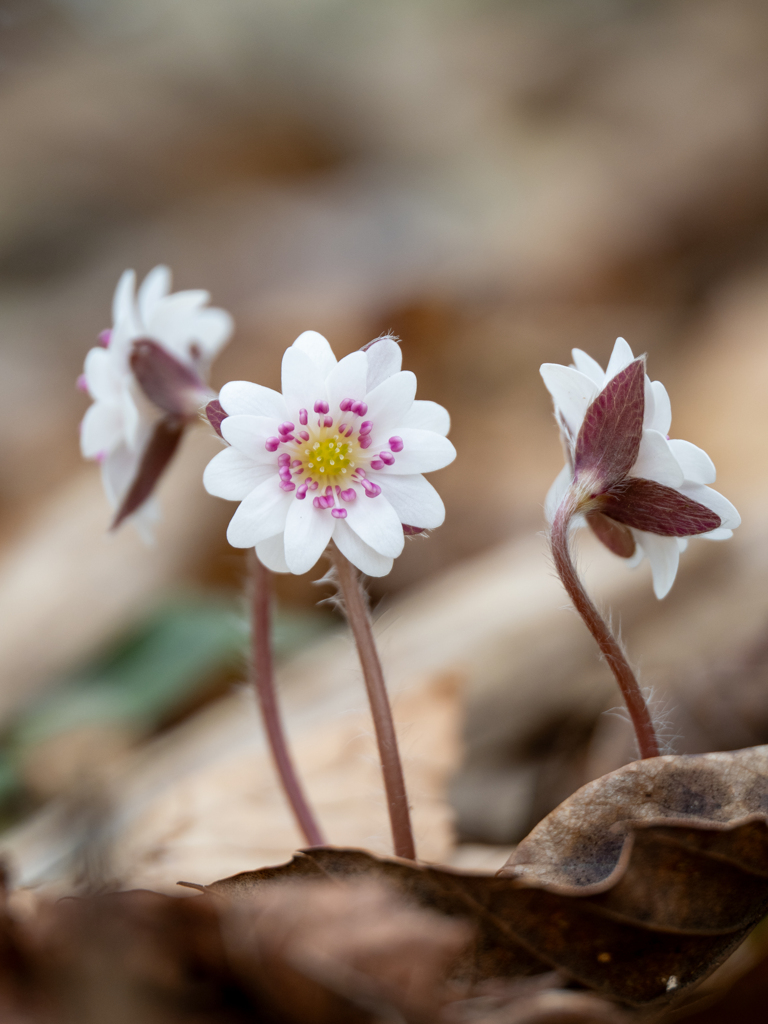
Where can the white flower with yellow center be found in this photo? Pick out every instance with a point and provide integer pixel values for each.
(338, 455)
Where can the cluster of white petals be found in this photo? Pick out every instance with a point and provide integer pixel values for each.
(117, 427)
(338, 455)
(673, 463)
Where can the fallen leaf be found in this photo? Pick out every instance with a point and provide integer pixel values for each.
(637, 886)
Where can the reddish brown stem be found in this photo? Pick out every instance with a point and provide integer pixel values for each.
(264, 684)
(392, 770)
(609, 646)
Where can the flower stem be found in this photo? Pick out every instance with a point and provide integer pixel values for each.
(394, 783)
(264, 684)
(609, 646)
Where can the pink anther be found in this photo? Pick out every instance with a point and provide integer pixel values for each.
(396, 443)
(272, 444)
(339, 513)
(82, 383)
(377, 464)
(303, 435)
(303, 417)
(313, 485)
(349, 495)
(285, 428)
(366, 441)
(283, 459)
(329, 421)
(105, 337)
(287, 485)
(387, 457)
(321, 407)
(366, 427)
(295, 463)
(301, 493)
(371, 489)
(345, 404)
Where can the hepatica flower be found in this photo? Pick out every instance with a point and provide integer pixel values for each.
(338, 455)
(641, 493)
(147, 380)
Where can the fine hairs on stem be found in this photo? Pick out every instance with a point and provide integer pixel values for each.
(394, 784)
(639, 714)
(264, 685)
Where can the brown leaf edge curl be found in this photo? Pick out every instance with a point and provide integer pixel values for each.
(638, 886)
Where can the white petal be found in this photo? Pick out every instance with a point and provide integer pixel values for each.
(572, 393)
(211, 329)
(589, 367)
(620, 359)
(428, 416)
(156, 285)
(232, 475)
(135, 425)
(101, 430)
(347, 380)
(241, 397)
(664, 556)
(123, 302)
(696, 465)
(376, 522)
(249, 434)
(423, 452)
(318, 349)
(719, 534)
(302, 382)
(271, 552)
(390, 401)
(415, 500)
(261, 515)
(307, 532)
(662, 409)
(655, 461)
(384, 360)
(118, 471)
(104, 375)
(358, 552)
(556, 492)
(729, 517)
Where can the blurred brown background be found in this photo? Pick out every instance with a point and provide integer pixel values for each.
(494, 181)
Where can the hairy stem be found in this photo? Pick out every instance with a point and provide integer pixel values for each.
(394, 783)
(264, 684)
(638, 709)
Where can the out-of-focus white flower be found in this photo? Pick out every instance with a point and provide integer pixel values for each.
(640, 492)
(147, 381)
(338, 455)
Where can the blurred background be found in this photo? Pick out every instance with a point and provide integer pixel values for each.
(494, 181)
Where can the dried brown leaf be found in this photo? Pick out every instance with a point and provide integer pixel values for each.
(637, 886)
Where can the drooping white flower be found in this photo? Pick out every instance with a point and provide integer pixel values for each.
(338, 455)
(642, 493)
(147, 379)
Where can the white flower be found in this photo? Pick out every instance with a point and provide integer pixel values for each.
(677, 465)
(338, 455)
(120, 425)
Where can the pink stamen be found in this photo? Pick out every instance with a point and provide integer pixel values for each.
(359, 408)
(349, 495)
(321, 407)
(82, 382)
(345, 404)
(342, 427)
(396, 443)
(303, 417)
(285, 428)
(284, 459)
(272, 444)
(387, 457)
(339, 513)
(295, 463)
(304, 435)
(366, 441)
(350, 431)
(329, 421)
(105, 337)
(288, 485)
(371, 490)
(366, 427)
(377, 464)
(301, 493)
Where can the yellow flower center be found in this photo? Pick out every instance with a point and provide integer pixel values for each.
(328, 457)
